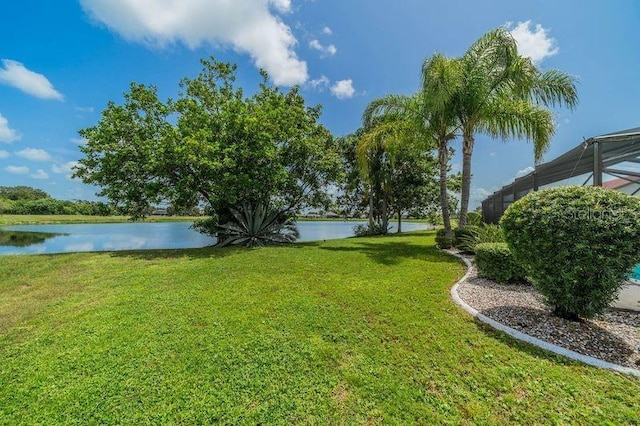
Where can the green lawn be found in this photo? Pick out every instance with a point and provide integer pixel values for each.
(14, 219)
(348, 331)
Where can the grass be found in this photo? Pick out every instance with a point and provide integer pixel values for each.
(347, 331)
(8, 219)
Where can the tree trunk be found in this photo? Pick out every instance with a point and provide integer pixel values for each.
(467, 151)
(385, 213)
(371, 208)
(399, 221)
(443, 157)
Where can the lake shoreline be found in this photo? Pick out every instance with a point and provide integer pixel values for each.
(99, 237)
(11, 220)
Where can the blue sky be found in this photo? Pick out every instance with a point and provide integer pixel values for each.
(63, 61)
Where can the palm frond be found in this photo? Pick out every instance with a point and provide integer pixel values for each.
(516, 118)
(556, 88)
(389, 106)
(442, 79)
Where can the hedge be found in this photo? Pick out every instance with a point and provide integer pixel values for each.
(496, 262)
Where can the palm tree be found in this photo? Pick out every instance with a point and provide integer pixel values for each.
(430, 114)
(504, 95)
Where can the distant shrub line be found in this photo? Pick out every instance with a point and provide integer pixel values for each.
(51, 206)
(24, 200)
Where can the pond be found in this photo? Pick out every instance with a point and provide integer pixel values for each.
(36, 239)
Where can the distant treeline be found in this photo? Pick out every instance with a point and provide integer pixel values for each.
(27, 200)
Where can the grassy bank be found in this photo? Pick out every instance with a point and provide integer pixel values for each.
(69, 219)
(347, 331)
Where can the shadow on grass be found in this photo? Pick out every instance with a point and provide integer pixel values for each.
(392, 249)
(387, 250)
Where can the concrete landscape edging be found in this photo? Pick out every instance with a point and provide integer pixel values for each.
(589, 360)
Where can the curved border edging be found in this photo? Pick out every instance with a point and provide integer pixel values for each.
(589, 360)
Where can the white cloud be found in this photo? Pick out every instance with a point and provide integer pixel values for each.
(329, 50)
(15, 74)
(327, 31)
(34, 154)
(17, 170)
(66, 168)
(86, 109)
(7, 134)
(477, 195)
(343, 89)
(525, 171)
(4, 154)
(533, 43)
(320, 83)
(282, 6)
(40, 174)
(79, 141)
(249, 26)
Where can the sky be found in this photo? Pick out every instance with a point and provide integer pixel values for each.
(62, 62)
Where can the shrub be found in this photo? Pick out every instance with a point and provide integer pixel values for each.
(481, 234)
(474, 219)
(462, 236)
(256, 227)
(366, 230)
(578, 244)
(442, 240)
(496, 262)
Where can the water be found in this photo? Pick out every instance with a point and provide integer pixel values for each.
(36, 239)
(635, 275)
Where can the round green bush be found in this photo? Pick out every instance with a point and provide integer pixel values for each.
(442, 240)
(495, 261)
(578, 244)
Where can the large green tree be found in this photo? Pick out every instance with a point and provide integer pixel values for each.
(400, 172)
(501, 94)
(432, 119)
(212, 147)
(351, 198)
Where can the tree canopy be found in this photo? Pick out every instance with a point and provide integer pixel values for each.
(25, 193)
(389, 169)
(212, 146)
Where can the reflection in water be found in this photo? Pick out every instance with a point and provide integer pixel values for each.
(24, 239)
(139, 236)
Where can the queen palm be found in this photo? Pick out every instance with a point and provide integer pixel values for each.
(430, 114)
(504, 95)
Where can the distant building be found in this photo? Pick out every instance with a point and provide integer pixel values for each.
(630, 185)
